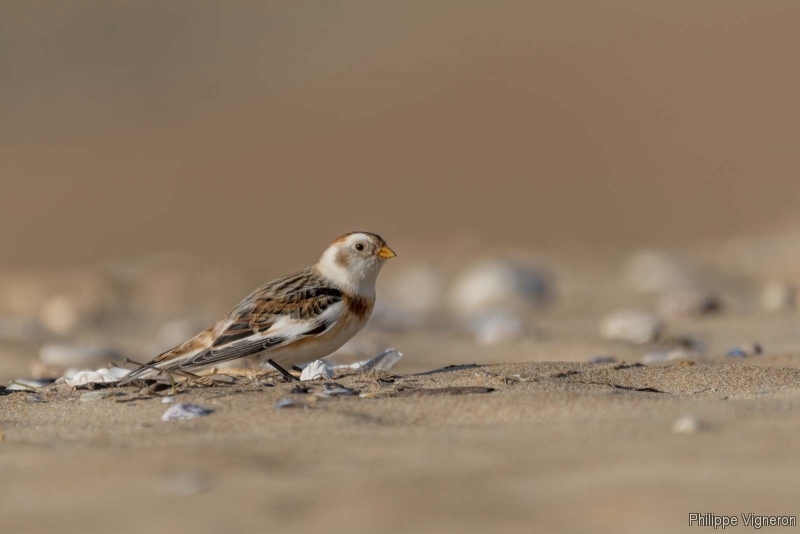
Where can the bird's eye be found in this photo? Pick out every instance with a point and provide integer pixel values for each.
(359, 247)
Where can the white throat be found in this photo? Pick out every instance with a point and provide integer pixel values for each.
(356, 278)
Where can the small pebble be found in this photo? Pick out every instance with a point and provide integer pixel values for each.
(631, 326)
(603, 359)
(101, 394)
(686, 424)
(184, 410)
(745, 351)
(167, 400)
(736, 353)
(753, 348)
(335, 390)
(289, 403)
(778, 297)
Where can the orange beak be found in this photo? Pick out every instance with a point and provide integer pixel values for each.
(386, 253)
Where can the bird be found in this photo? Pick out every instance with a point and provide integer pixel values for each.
(292, 320)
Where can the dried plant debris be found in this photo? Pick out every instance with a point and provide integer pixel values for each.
(430, 392)
(630, 388)
(154, 388)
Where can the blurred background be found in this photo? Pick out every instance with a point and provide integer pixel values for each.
(255, 131)
(562, 180)
(162, 159)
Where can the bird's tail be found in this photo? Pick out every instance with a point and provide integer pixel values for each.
(144, 369)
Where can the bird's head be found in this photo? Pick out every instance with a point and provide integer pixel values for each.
(352, 262)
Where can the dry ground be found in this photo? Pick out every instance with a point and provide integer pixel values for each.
(574, 447)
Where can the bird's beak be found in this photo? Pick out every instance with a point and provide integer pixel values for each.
(386, 253)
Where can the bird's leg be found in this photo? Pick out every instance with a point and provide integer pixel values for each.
(286, 374)
(181, 372)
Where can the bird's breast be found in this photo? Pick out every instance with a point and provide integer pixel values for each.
(359, 307)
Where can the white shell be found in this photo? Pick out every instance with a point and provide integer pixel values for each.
(184, 410)
(316, 370)
(101, 376)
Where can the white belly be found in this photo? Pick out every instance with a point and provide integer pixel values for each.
(314, 347)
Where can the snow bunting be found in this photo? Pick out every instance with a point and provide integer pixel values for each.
(292, 320)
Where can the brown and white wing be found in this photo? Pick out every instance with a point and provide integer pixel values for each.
(278, 314)
(276, 323)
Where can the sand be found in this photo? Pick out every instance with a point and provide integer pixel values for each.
(575, 447)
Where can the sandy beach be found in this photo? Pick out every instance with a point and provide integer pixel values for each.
(594, 207)
(563, 446)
